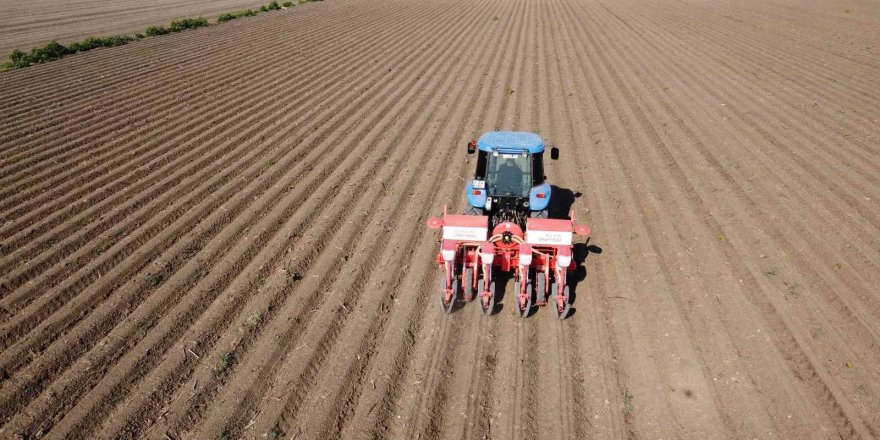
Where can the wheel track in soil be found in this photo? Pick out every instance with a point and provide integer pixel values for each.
(615, 376)
(669, 282)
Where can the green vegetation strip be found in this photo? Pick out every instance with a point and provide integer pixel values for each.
(54, 50)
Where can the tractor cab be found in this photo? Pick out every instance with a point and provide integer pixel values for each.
(509, 183)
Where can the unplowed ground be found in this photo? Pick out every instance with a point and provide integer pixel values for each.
(222, 232)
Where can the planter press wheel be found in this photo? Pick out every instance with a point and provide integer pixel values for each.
(488, 304)
(447, 306)
(523, 305)
(561, 310)
(540, 283)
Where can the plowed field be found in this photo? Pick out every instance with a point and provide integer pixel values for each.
(32, 23)
(221, 233)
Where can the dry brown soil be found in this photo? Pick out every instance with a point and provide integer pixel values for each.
(222, 231)
(32, 23)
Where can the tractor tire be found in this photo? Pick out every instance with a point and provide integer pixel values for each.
(473, 210)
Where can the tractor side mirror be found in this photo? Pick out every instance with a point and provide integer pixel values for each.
(554, 153)
(472, 147)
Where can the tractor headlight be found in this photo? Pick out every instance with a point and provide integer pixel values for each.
(487, 258)
(525, 259)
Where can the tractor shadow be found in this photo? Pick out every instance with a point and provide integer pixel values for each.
(561, 200)
(559, 207)
(501, 280)
(580, 253)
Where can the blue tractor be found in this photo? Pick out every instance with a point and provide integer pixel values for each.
(509, 184)
(506, 229)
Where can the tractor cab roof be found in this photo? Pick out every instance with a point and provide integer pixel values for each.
(513, 140)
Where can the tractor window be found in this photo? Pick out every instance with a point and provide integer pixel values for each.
(509, 175)
(482, 158)
(537, 169)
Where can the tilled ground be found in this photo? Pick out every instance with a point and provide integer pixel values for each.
(222, 232)
(32, 23)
